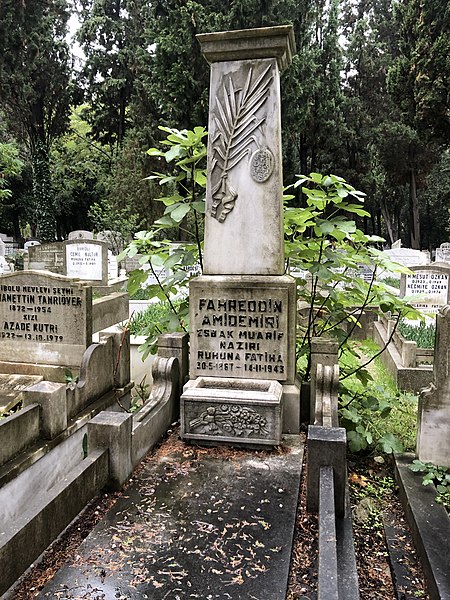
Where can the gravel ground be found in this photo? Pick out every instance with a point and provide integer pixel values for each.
(374, 499)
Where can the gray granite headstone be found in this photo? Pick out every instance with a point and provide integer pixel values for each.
(44, 318)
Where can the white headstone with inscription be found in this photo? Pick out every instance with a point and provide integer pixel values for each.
(87, 260)
(427, 288)
(4, 266)
(242, 309)
(407, 257)
(113, 266)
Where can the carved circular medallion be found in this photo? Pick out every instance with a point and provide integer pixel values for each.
(261, 165)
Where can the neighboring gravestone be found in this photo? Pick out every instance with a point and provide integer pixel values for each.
(44, 318)
(427, 288)
(242, 310)
(443, 253)
(132, 263)
(433, 430)
(31, 243)
(155, 275)
(80, 234)
(4, 266)
(87, 260)
(113, 266)
(407, 257)
(46, 257)
(114, 238)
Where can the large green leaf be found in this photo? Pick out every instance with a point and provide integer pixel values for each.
(180, 212)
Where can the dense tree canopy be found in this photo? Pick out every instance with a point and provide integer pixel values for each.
(366, 97)
(36, 90)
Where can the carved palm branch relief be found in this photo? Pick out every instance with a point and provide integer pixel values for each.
(236, 121)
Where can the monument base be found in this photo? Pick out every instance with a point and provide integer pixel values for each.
(291, 407)
(240, 412)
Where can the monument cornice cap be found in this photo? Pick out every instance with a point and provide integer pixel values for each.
(243, 44)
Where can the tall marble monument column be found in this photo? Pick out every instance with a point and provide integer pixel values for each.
(243, 309)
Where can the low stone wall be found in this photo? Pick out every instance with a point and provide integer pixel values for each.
(18, 432)
(116, 442)
(49, 407)
(109, 310)
(25, 538)
(409, 378)
(129, 437)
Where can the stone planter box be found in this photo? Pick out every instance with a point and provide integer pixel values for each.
(233, 411)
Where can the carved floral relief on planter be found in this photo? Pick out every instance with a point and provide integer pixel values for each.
(229, 419)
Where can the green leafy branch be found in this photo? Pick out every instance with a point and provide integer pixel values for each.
(329, 248)
(172, 264)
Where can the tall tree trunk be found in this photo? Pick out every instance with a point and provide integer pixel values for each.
(413, 202)
(388, 221)
(303, 155)
(44, 209)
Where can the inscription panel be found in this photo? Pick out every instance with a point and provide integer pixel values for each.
(84, 260)
(430, 287)
(39, 314)
(240, 331)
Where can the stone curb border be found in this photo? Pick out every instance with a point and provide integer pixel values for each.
(430, 526)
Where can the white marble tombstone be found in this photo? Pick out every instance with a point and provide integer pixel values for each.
(244, 225)
(242, 309)
(80, 234)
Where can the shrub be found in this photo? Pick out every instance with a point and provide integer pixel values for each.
(422, 334)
